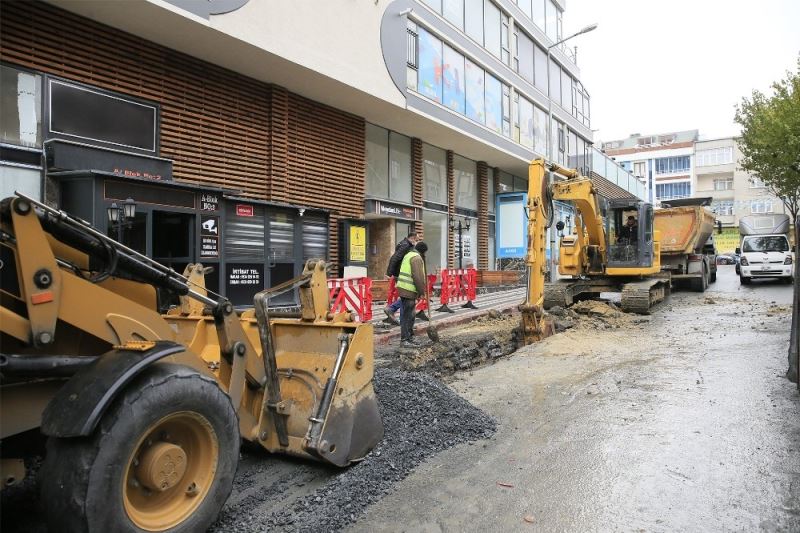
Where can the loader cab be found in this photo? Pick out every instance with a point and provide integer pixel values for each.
(629, 229)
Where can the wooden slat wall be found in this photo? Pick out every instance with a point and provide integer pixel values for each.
(417, 181)
(219, 127)
(483, 215)
(452, 260)
(214, 122)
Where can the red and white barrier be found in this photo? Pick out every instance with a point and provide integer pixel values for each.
(458, 285)
(422, 305)
(353, 294)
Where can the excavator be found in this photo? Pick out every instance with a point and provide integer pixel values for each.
(598, 256)
(143, 412)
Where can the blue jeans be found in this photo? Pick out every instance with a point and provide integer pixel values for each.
(398, 304)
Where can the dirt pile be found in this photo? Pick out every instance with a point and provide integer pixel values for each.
(594, 314)
(421, 417)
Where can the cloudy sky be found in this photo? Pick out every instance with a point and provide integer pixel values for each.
(656, 66)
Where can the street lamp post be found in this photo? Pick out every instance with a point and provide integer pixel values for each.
(460, 228)
(121, 215)
(551, 151)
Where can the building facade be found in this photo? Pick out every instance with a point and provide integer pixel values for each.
(260, 143)
(663, 162)
(735, 192)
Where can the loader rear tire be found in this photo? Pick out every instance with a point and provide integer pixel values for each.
(162, 458)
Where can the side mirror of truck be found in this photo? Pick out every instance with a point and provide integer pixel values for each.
(719, 227)
(738, 251)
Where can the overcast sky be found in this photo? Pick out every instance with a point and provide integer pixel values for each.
(654, 66)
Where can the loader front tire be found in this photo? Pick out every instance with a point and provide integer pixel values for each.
(162, 458)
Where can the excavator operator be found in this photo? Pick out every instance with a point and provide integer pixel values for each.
(629, 233)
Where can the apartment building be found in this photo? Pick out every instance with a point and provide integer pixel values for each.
(735, 193)
(663, 162)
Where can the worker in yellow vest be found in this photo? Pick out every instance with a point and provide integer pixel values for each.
(411, 284)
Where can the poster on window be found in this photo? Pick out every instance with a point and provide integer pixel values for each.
(430, 66)
(474, 91)
(209, 236)
(494, 104)
(454, 80)
(243, 281)
(358, 244)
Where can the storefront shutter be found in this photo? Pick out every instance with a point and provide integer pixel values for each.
(315, 237)
(244, 236)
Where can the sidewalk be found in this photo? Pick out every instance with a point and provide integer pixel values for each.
(501, 301)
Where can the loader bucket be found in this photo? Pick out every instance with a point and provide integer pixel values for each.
(329, 415)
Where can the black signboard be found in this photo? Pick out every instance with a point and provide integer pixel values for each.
(209, 236)
(209, 201)
(66, 155)
(243, 281)
(388, 209)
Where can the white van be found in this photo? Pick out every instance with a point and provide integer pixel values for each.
(765, 250)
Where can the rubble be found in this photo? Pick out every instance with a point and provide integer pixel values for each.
(421, 417)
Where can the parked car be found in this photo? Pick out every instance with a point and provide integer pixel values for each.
(726, 259)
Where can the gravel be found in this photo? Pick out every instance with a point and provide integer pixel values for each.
(421, 417)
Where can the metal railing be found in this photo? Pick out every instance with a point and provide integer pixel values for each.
(606, 167)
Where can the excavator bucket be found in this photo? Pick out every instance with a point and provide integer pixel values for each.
(301, 381)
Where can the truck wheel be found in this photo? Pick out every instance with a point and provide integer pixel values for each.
(700, 284)
(162, 458)
(713, 277)
(743, 280)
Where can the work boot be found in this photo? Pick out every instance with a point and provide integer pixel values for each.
(390, 317)
(409, 344)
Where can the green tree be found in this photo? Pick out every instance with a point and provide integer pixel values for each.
(770, 139)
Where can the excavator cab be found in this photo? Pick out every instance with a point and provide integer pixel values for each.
(629, 229)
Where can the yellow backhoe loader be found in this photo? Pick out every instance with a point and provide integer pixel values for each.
(143, 412)
(599, 256)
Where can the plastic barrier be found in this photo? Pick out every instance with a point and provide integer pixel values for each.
(458, 284)
(422, 305)
(354, 294)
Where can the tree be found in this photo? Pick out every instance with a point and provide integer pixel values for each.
(770, 139)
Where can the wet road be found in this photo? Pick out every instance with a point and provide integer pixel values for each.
(685, 422)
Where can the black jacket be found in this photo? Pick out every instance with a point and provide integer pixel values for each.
(400, 251)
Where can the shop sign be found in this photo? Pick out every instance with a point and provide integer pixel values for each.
(67, 155)
(244, 210)
(243, 281)
(466, 245)
(358, 244)
(209, 236)
(398, 211)
(209, 201)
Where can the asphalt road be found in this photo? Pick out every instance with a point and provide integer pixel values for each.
(685, 423)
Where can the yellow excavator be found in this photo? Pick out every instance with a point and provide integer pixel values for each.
(600, 255)
(143, 412)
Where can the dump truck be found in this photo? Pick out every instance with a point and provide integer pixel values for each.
(688, 252)
(764, 251)
(144, 413)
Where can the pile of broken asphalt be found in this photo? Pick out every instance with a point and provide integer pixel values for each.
(421, 417)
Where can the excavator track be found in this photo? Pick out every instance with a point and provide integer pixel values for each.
(641, 296)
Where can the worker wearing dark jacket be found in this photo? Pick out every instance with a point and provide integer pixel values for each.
(410, 286)
(393, 270)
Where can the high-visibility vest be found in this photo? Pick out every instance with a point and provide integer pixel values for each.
(405, 280)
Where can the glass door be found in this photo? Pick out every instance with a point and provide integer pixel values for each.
(173, 245)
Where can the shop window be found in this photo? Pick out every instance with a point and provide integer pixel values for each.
(399, 167)
(430, 66)
(465, 173)
(20, 108)
(454, 95)
(173, 237)
(506, 182)
(77, 112)
(434, 174)
(475, 92)
(491, 245)
(467, 248)
(377, 149)
(436, 239)
(494, 104)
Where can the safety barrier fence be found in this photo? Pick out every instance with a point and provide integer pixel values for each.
(353, 294)
(458, 285)
(422, 305)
